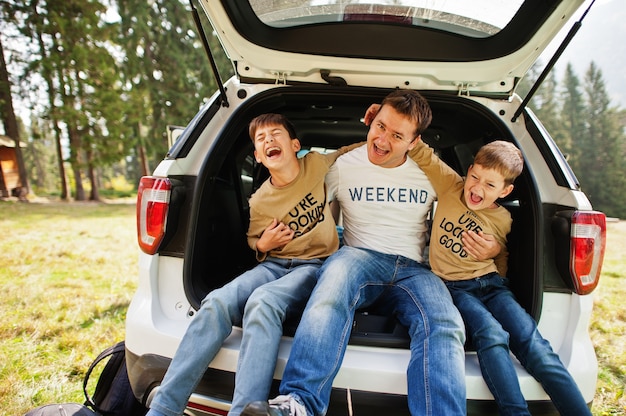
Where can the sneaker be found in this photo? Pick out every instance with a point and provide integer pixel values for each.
(280, 406)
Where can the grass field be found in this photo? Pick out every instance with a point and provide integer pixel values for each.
(608, 325)
(68, 272)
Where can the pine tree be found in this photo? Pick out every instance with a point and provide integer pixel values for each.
(84, 91)
(573, 117)
(165, 68)
(40, 156)
(7, 113)
(602, 158)
(548, 108)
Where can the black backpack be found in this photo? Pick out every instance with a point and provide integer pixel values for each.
(62, 409)
(113, 395)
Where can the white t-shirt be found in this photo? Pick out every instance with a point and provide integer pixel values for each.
(384, 209)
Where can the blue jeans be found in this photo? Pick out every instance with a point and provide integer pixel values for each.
(495, 322)
(353, 278)
(260, 298)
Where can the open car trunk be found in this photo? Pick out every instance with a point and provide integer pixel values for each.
(217, 249)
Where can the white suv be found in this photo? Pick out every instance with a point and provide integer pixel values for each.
(322, 63)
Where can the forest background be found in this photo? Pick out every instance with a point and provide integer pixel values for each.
(103, 79)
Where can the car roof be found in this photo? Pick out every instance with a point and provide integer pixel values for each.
(482, 46)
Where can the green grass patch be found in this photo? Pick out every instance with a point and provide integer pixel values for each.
(67, 273)
(608, 325)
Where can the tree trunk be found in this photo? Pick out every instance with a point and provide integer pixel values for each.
(94, 195)
(76, 160)
(65, 186)
(3, 192)
(80, 190)
(73, 135)
(40, 176)
(45, 73)
(10, 125)
(143, 159)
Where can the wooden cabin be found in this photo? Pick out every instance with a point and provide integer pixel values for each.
(9, 172)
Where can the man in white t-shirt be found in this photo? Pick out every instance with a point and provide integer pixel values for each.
(384, 198)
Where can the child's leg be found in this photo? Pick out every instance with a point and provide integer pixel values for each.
(491, 343)
(220, 310)
(263, 319)
(536, 355)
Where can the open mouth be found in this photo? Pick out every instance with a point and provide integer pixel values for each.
(475, 199)
(273, 152)
(380, 151)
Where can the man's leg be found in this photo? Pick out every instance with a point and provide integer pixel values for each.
(349, 279)
(220, 310)
(263, 319)
(436, 372)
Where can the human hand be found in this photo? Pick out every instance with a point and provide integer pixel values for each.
(479, 245)
(370, 113)
(277, 234)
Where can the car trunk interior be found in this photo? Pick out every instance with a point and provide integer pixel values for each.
(327, 118)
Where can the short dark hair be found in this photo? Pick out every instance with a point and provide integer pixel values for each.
(412, 104)
(271, 118)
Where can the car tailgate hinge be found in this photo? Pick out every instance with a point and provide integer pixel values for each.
(464, 88)
(280, 78)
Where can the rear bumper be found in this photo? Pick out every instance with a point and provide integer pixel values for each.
(374, 373)
(215, 391)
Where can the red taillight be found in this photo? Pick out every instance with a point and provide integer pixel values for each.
(153, 198)
(588, 241)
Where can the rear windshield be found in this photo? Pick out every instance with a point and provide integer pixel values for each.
(475, 18)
